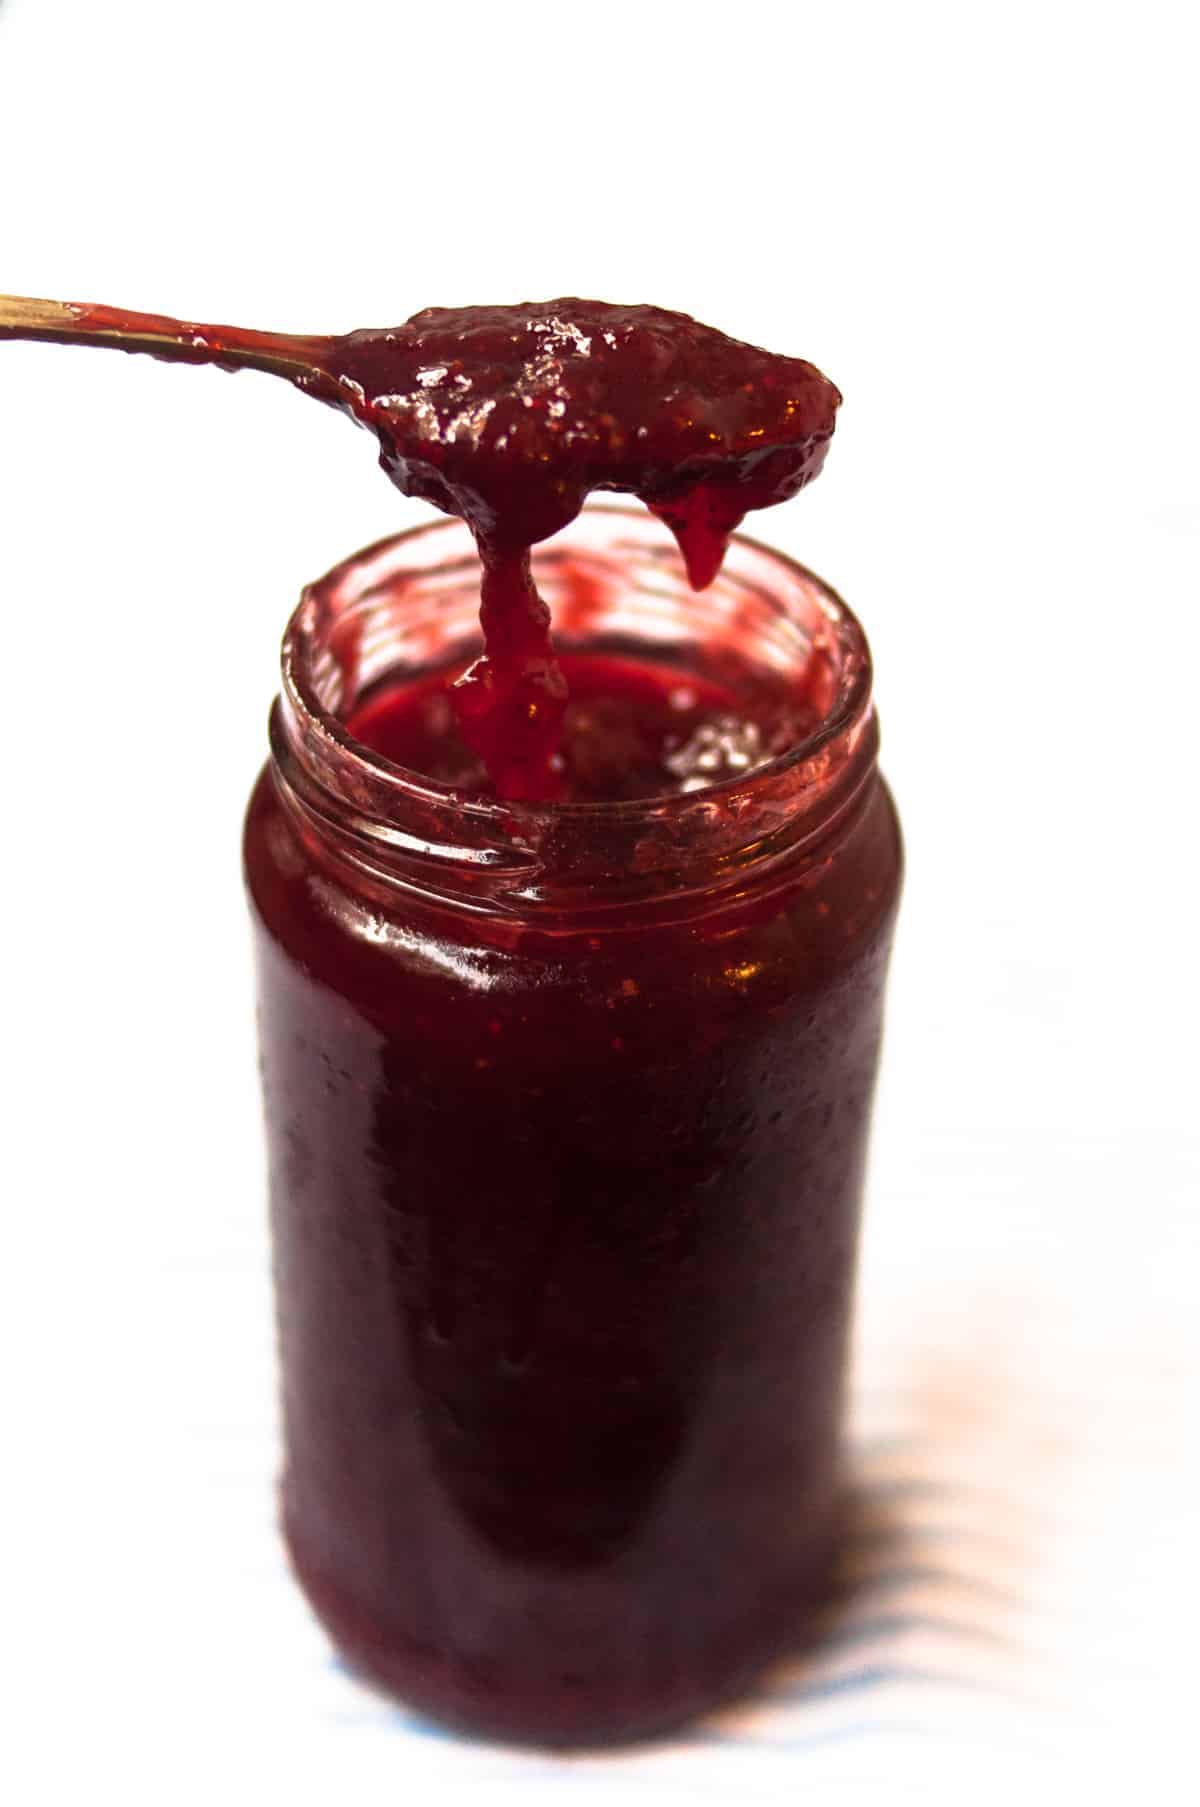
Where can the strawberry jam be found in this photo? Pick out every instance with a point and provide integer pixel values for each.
(567, 1108)
(508, 416)
(571, 955)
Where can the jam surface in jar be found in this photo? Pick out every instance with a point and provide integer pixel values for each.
(632, 728)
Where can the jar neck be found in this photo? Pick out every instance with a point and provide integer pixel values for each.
(409, 604)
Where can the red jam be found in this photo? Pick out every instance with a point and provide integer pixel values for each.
(567, 1110)
(508, 416)
(571, 962)
(631, 729)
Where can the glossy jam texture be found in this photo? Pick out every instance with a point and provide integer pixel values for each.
(509, 416)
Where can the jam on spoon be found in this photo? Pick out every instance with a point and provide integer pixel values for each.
(509, 416)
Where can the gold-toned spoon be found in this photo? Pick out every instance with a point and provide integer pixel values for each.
(299, 359)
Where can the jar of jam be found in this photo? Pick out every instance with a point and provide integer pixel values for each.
(567, 1108)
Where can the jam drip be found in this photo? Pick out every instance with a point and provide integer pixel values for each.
(509, 416)
(509, 704)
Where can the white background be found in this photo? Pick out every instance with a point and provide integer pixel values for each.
(980, 221)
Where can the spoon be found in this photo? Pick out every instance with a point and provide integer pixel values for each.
(184, 341)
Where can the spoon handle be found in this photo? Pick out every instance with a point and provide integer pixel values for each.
(233, 347)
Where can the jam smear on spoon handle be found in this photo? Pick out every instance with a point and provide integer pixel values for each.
(162, 336)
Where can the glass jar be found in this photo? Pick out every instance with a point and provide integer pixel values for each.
(567, 1108)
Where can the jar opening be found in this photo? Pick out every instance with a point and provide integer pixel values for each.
(408, 606)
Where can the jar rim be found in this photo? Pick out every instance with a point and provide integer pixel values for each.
(313, 719)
